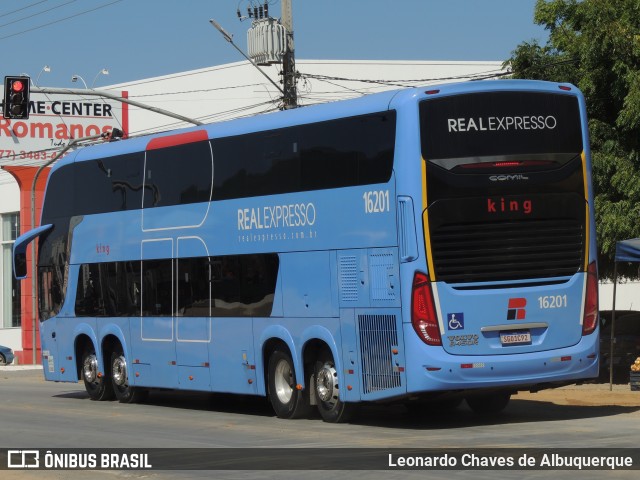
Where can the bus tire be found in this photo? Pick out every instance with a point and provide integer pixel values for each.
(97, 386)
(124, 392)
(326, 386)
(288, 401)
(489, 404)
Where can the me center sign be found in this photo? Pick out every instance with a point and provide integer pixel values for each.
(55, 119)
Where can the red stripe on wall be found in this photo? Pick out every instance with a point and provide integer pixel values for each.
(125, 115)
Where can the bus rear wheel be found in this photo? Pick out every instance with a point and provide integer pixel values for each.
(97, 386)
(327, 391)
(287, 400)
(124, 392)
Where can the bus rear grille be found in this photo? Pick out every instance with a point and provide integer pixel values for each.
(507, 250)
(378, 337)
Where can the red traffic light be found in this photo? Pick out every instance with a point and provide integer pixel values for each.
(16, 97)
(17, 86)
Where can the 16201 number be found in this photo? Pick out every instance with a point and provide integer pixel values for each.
(552, 301)
(376, 201)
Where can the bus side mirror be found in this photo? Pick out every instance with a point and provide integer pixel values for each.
(20, 250)
(20, 265)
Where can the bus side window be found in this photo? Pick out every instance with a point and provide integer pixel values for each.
(194, 287)
(157, 287)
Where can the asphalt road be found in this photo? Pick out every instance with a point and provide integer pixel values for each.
(47, 415)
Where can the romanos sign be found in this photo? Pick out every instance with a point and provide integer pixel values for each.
(54, 120)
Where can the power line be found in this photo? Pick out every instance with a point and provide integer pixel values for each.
(60, 20)
(164, 94)
(36, 14)
(23, 8)
(404, 83)
(228, 114)
(551, 64)
(179, 75)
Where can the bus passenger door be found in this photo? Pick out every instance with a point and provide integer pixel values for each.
(193, 313)
(156, 343)
(49, 342)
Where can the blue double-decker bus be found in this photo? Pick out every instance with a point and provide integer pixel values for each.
(421, 246)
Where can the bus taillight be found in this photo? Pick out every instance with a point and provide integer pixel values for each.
(590, 319)
(423, 311)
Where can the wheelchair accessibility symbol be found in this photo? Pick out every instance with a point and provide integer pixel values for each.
(456, 321)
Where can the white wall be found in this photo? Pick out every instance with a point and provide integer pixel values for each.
(627, 295)
(9, 193)
(11, 337)
(9, 202)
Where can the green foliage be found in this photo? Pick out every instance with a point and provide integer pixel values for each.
(595, 44)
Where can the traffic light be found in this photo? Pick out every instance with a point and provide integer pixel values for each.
(16, 97)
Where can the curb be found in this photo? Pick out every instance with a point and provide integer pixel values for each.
(16, 368)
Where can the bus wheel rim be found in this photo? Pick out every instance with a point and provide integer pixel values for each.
(119, 371)
(326, 384)
(282, 381)
(90, 368)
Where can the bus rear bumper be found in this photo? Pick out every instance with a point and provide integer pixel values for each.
(450, 372)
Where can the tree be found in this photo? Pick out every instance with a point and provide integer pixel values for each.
(595, 44)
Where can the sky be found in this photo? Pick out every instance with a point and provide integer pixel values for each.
(137, 39)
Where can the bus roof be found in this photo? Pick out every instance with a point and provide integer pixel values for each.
(316, 113)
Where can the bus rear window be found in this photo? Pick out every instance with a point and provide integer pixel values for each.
(498, 125)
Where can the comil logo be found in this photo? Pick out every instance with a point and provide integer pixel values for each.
(516, 310)
(508, 178)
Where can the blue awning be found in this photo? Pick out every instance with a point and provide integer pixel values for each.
(628, 250)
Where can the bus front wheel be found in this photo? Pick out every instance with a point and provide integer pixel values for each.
(97, 385)
(287, 400)
(327, 391)
(124, 392)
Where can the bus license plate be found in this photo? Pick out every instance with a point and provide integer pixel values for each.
(512, 338)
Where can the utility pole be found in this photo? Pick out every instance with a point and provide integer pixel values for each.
(269, 42)
(288, 60)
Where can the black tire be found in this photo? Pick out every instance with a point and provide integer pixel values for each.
(326, 386)
(124, 392)
(97, 386)
(489, 404)
(3, 361)
(287, 401)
